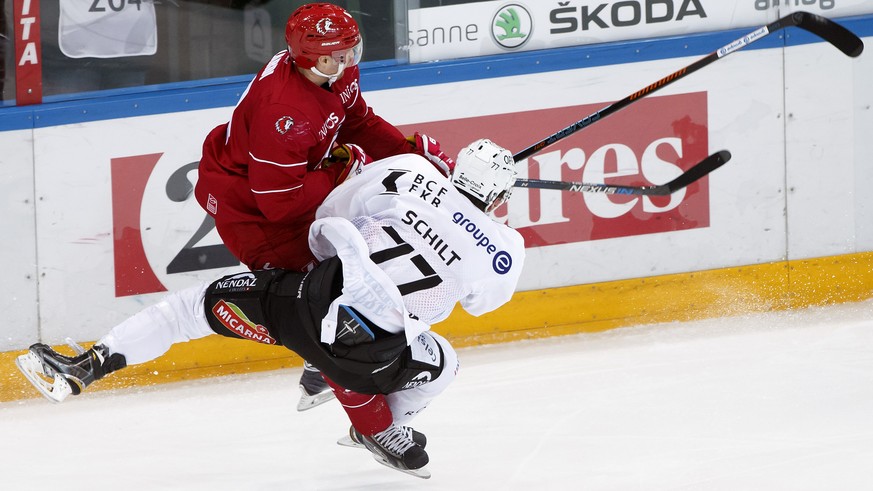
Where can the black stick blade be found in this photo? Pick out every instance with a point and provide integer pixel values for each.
(699, 170)
(693, 174)
(842, 38)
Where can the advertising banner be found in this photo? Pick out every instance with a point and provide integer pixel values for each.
(657, 140)
(161, 237)
(496, 27)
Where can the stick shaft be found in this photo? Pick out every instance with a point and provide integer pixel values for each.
(828, 30)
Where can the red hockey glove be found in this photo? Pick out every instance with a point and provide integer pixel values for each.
(429, 148)
(352, 159)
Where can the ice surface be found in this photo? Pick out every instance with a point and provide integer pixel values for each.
(761, 402)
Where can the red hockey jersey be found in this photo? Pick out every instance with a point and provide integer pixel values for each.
(260, 175)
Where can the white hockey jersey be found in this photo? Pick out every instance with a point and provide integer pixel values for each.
(412, 246)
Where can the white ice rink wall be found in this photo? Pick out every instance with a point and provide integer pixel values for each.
(99, 219)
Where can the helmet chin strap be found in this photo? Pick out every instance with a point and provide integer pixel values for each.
(330, 78)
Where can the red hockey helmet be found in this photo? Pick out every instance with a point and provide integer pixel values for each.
(323, 29)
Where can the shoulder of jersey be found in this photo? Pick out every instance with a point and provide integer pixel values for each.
(408, 161)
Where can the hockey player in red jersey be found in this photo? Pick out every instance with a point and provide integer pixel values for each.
(394, 261)
(298, 130)
(263, 174)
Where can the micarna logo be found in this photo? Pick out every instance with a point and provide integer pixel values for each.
(234, 319)
(511, 26)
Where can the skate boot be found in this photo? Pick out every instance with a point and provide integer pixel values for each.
(57, 376)
(314, 391)
(395, 448)
(356, 440)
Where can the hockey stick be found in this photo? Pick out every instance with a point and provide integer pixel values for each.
(699, 170)
(830, 31)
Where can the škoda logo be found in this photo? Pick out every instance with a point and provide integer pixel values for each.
(511, 26)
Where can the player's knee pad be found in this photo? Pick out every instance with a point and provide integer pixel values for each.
(449, 368)
(428, 358)
(407, 404)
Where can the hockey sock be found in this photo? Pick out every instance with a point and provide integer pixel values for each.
(369, 413)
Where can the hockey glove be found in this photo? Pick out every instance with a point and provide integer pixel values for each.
(429, 148)
(352, 159)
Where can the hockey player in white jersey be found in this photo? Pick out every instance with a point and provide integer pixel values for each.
(436, 246)
(399, 246)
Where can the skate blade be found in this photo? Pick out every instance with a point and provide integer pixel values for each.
(53, 386)
(422, 473)
(308, 402)
(347, 441)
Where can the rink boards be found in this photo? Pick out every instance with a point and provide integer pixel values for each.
(98, 193)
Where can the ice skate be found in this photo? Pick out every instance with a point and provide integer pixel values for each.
(396, 448)
(57, 376)
(314, 391)
(356, 440)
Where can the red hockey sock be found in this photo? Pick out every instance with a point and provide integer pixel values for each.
(369, 413)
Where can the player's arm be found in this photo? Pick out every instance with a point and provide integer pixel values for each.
(379, 138)
(497, 286)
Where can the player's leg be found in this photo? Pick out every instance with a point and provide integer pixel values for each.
(178, 318)
(421, 389)
(143, 337)
(431, 365)
(373, 426)
(358, 351)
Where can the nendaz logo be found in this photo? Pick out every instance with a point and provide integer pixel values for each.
(511, 26)
(242, 281)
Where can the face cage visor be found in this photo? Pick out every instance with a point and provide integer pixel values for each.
(498, 201)
(349, 57)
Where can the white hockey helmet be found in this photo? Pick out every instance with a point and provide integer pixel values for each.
(486, 172)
